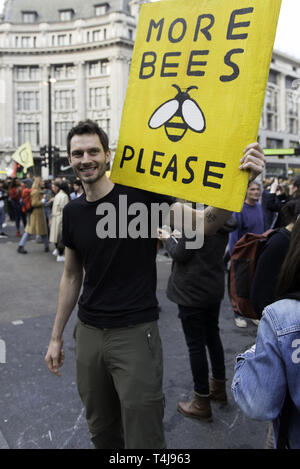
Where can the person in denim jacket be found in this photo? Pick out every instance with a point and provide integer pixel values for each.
(271, 368)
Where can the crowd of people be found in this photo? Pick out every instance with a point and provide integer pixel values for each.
(121, 389)
(36, 206)
(196, 284)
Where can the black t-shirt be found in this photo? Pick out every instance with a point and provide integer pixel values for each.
(119, 287)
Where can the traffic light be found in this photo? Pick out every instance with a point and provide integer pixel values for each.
(43, 150)
(43, 153)
(56, 161)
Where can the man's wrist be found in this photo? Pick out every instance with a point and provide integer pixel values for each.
(56, 337)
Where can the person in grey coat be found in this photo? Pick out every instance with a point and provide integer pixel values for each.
(197, 285)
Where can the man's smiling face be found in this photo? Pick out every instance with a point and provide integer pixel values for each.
(88, 158)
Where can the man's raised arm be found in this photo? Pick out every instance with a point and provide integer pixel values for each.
(253, 161)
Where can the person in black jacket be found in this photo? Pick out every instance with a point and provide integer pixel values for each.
(276, 203)
(271, 259)
(197, 285)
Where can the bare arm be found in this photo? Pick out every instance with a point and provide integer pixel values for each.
(69, 290)
(213, 218)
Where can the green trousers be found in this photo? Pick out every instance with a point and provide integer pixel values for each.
(119, 379)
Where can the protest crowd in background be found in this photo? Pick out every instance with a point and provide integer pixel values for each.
(35, 206)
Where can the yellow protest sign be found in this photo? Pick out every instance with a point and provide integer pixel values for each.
(195, 95)
(23, 156)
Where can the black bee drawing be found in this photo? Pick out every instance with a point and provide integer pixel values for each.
(178, 115)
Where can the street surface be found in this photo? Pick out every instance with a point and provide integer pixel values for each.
(41, 411)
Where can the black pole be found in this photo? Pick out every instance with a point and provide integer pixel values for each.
(50, 128)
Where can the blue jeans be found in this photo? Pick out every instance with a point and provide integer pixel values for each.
(201, 330)
(2, 217)
(25, 237)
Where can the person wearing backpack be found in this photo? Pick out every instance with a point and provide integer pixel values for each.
(15, 196)
(26, 198)
(271, 259)
(267, 376)
(249, 220)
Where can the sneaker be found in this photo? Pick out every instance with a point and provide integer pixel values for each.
(240, 322)
(60, 259)
(46, 248)
(21, 250)
(3, 235)
(255, 321)
(18, 234)
(55, 252)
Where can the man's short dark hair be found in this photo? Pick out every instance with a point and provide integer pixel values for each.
(88, 127)
(296, 181)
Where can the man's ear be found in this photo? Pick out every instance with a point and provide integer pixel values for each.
(69, 160)
(107, 156)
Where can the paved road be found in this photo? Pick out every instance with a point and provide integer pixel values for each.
(41, 411)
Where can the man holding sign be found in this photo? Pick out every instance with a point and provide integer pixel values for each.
(193, 104)
(118, 347)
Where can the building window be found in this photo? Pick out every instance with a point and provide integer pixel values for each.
(22, 73)
(61, 130)
(58, 71)
(101, 9)
(66, 15)
(26, 42)
(64, 71)
(29, 16)
(29, 131)
(289, 82)
(70, 71)
(28, 101)
(98, 68)
(130, 34)
(99, 97)
(98, 35)
(273, 77)
(34, 73)
(292, 112)
(292, 125)
(62, 40)
(292, 106)
(64, 100)
(270, 117)
(30, 73)
(274, 143)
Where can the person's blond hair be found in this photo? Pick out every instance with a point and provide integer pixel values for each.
(37, 183)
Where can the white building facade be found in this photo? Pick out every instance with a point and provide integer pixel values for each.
(84, 49)
(280, 123)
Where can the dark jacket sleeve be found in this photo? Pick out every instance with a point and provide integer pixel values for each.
(274, 203)
(267, 271)
(178, 251)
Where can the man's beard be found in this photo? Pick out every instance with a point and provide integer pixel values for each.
(90, 176)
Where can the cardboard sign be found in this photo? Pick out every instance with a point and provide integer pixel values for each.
(195, 96)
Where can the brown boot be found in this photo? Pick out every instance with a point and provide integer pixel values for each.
(218, 390)
(198, 408)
